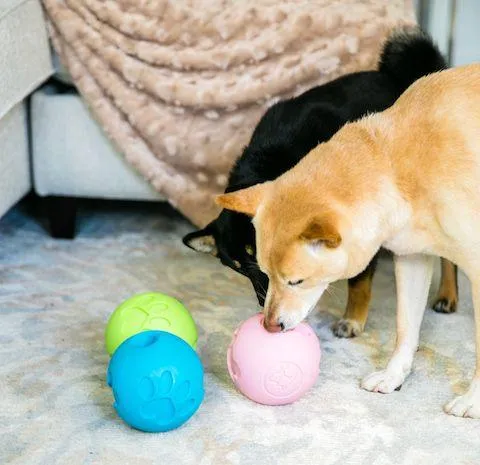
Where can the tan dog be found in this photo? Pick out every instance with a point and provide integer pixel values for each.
(407, 179)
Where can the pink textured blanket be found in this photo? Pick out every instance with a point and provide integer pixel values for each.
(179, 85)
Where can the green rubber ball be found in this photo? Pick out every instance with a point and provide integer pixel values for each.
(150, 311)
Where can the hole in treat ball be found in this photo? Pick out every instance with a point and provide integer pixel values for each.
(143, 339)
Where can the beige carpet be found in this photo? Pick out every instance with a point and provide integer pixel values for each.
(56, 296)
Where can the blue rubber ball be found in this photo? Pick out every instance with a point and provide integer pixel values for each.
(157, 381)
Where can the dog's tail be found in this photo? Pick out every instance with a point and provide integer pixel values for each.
(408, 54)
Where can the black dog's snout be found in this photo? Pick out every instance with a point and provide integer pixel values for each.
(259, 282)
(261, 299)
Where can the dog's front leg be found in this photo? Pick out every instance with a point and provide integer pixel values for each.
(468, 405)
(413, 274)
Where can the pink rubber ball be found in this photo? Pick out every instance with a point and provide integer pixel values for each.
(273, 368)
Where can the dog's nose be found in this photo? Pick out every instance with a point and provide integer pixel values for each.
(273, 327)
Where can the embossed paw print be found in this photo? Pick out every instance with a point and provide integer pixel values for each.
(164, 400)
(283, 376)
(283, 379)
(144, 317)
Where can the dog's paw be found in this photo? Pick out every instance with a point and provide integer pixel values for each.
(347, 328)
(467, 405)
(445, 305)
(385, 381)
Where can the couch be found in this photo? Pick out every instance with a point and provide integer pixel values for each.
(68, 156)
(72, 158)
(25, 62)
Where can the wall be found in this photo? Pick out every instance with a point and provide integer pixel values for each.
(462, 17)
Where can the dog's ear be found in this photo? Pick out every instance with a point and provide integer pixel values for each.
(245, 200)
(322, 230)
(202, 241)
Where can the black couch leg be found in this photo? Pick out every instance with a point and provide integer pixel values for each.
(62, 212)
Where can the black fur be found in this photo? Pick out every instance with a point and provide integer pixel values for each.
(290, 129)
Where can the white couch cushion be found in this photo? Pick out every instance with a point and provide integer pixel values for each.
(14, 162)
(24, 53)
(73, 157)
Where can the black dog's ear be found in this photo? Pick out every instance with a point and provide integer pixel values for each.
(202, 241)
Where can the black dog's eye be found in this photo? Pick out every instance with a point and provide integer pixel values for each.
(249, 250)
(295, 283)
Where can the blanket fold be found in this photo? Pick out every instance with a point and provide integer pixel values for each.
(180, 85)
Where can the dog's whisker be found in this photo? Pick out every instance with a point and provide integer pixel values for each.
(332, 292)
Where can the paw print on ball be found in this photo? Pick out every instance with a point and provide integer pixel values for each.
(164, 399)
(150, 311)
(283, 379)
(140, 318)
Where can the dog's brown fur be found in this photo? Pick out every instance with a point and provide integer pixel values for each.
(416, 192)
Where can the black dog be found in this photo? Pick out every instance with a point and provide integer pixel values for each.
(289, 130)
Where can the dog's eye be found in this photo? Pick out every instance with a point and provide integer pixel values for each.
(295, 283)
(249, 250)
(237, 264)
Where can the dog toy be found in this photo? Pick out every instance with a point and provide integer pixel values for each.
(157, 381)
(148, 312)
(273, 368)
(155, 374)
